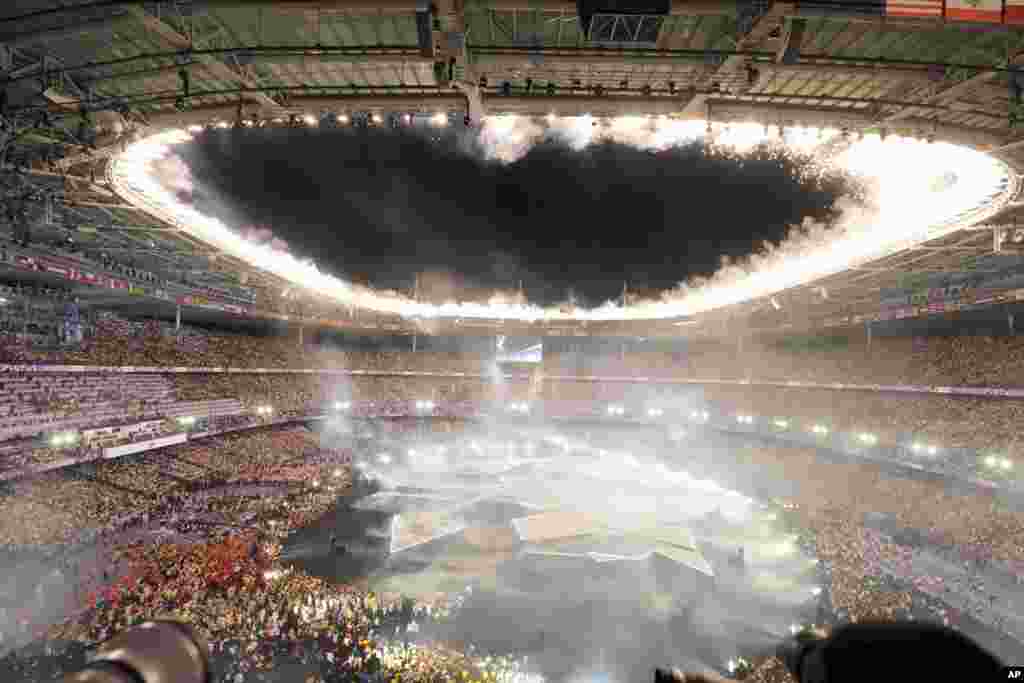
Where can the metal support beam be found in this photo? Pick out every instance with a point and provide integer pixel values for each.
(792, 39)
(676, 7)
(952, 93)
(99, 205)
(544, 60)
(1010, 146)
(991, 226)
(217, 68)
(96, 27)
(853, 118)
(570, 105)
(762, 26)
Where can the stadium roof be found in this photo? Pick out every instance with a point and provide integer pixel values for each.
(86, 78)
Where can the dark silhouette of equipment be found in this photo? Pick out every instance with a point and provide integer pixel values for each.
(887, 651)
(153, 652)
(170, 652)
(874, 651)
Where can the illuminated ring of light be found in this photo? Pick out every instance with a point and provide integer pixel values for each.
(993, 184)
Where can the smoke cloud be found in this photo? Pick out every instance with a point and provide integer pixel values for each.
(899, 192)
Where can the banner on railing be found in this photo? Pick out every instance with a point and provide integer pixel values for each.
(1014, 12)
(89, 278)
(985, 11)
(129, 448)
(914, 8)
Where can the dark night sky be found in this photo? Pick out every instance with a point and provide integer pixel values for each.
(379, 205)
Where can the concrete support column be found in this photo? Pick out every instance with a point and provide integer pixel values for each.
(177, 318)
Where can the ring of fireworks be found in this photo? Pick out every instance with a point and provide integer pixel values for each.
(916, 192)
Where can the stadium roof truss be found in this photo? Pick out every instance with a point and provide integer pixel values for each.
(84, 78)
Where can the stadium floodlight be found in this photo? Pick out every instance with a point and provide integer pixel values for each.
(439, 119)
(377, 118)
(869, 439)
(62, 438)
(816, 591)
(916, 447)
(933, 450)
(781, 424)
(309, 120)
(384, 458)
(342, 405)
(222, 124)
(820, 429)
(655, 412)
(1006, 464)
(794, 629)
(991, 461)
(337, 473)
(316, 483)
(343, 118)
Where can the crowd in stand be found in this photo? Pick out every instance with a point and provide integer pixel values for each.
(128, 268)
(894, 419)
(213, 561)
(869, 574)
(205, 570)
(881, 575)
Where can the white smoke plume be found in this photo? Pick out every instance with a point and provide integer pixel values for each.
(912, 192)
